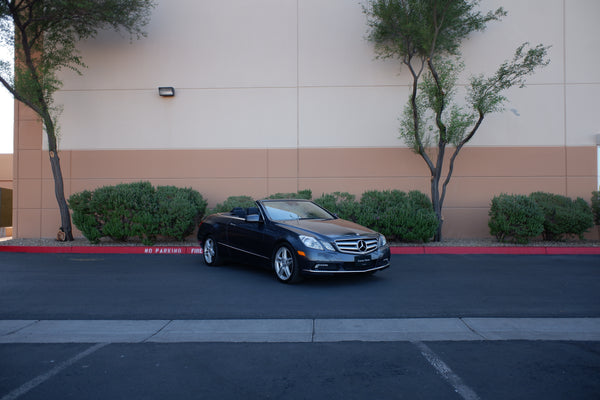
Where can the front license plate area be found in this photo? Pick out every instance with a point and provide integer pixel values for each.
(362, 260)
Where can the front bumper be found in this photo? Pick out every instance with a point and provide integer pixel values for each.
(331, 263)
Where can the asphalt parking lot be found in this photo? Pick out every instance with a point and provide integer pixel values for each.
(180, 287)
(342, 370)
(435, 326)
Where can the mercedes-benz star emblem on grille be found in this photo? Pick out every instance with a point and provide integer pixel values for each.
(362, 246)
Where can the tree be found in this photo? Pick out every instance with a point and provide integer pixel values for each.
(425, 35)
(45, 34)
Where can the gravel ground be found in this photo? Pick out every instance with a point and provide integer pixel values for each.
(477, 242)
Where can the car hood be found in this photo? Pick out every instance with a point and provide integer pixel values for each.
(333, 228)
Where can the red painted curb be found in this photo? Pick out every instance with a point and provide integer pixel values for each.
(394, 249)
(486, 250)
(104, 249)
(532, 250)
(407, 250)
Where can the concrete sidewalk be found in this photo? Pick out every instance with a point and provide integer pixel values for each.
(299, 330)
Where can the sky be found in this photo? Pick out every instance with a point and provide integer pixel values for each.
(6, 115)
(6, 121)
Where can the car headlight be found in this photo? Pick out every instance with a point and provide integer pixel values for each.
(316, 244)
(382, 241)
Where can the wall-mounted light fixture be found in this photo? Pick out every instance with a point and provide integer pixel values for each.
(166, 91)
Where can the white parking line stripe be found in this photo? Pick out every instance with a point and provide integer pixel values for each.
(454, 380)
(54, 371)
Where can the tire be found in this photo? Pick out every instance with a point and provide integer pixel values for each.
(285, 264)
(210, 252)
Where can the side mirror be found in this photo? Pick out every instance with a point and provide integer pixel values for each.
(253, 218)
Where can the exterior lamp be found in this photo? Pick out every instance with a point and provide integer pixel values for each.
(166, 91)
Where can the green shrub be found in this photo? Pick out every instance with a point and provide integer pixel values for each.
(515, 218)
(343, 204)
(121, 211)
(563, 217)
(596, 207)
(246, 201)
(176, 208)
(131, 210)
(83, 216)
(399, 216)
(233, 202)
(378, 210)
(583, 218)
(426, 222)
(302, 194)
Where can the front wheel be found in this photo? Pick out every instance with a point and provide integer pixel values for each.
(210, 251)
(285, 264)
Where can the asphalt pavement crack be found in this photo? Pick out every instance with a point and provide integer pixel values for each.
(158, 331)
(472, 329)
(20, 328)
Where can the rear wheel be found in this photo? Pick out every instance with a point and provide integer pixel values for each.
(210, 251)
(285, 264)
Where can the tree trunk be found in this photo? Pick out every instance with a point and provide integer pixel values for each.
(59, 190)
(437, 205)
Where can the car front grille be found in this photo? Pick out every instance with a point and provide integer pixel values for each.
(357, 246)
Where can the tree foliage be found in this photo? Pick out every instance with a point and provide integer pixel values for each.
(45, 34)
(426, 36)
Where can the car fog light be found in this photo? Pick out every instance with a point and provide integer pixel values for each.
(328, 246)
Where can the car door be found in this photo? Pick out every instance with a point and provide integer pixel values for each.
(247, 238)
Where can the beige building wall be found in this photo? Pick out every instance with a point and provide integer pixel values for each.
(281, 95)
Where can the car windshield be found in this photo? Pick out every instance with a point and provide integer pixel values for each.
(286, 210)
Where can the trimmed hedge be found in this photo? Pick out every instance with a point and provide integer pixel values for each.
(233, 202)
(342, 204)
(596, 207)
(179, 210)
(136, 210)
(518, 217)
(302, 194)
(246, 201)
(564, 217)
(515, 218)
(397, 215)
